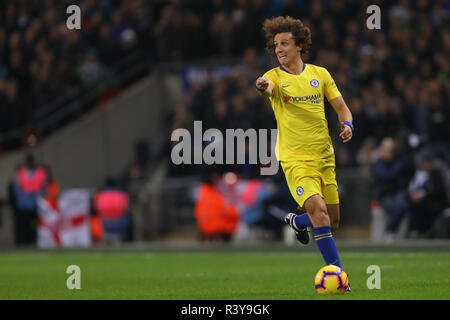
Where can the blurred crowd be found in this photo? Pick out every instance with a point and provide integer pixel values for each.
(46, 216)
(395, 80)
(44, 64)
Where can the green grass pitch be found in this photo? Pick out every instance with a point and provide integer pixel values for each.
(217, 275)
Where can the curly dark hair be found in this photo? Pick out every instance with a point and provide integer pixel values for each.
(300, 32)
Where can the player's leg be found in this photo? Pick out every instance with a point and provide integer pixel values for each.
(299, 223)
(300, 189)
(306, 178)
(330, 193)
(330, 190)
(317, 210)
(333, 213)
(302, 221)
(331, 198)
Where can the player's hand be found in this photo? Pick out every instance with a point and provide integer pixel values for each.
(262, 83)
(346, 133)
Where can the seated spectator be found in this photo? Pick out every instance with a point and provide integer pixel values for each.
(427, 194)
(113, 207)
(391, 174)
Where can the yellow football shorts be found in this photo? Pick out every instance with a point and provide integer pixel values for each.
(309, 177)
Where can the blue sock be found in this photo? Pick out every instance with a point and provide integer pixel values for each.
(302, 220)
(327, 247)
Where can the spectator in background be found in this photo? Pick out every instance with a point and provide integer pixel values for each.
(133, 180)
(30, 181)
(217, 220)
(363, 123)
(220, 28)
(41, 56)
(106, 46)
(428, 197)
(392, 172)
(367, 154)
(113, 207)
(91, 70)
(182, 118)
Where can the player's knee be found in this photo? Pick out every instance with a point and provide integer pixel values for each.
(320, 217)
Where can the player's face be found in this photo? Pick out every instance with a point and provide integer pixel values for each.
(285, 48)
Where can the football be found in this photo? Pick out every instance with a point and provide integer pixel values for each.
(331, 280)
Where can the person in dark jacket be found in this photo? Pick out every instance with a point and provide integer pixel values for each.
(392, 172)
(427, 195)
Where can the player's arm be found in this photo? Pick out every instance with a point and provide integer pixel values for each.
(264, 86)
(345, 118)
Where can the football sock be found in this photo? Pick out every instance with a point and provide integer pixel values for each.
(327, 246)
(302, 220)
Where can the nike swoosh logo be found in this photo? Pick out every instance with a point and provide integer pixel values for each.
(285, 86)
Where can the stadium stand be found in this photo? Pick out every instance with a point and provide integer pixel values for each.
(395, 80)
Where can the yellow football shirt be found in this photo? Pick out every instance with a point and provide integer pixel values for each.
(298, 104)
